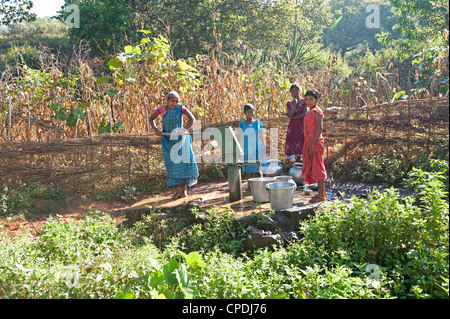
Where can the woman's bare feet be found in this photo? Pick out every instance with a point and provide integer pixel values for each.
(177, 193)
(318, 199)
(184, 192)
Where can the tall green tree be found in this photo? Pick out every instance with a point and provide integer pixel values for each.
(356, 24)
(105, 25)
(251, 24)
(190, 24)
(193, 25)
(15, 11)
(421, 23)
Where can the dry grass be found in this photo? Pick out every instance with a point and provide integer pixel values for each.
(36, 145)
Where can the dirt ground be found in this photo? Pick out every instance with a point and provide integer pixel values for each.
(77, 208)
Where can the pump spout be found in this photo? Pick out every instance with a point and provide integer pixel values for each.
(257, 163)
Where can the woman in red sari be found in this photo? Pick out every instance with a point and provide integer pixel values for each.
(313, 147)
(296, 110)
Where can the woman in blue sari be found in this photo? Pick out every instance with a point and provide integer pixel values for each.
(181, 167)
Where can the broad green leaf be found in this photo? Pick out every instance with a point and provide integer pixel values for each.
(56, 107)
(130, 77)
(169, 270)
(125, 295)
(281, 295)
(74, 116)
(184, 66)
(163, 39)
(128, 49)
(400, 94)
(185, 283)
(156, 279)
(111, 92)
(194, 259)
(444, 89)
(102, 80)
(115, 64)
(60, 111)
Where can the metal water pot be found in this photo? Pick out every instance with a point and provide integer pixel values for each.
(259, 191)
(273, 169)
(296, 173)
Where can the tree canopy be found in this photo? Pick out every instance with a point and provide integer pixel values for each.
(289, 30)
(15, 11)
(420, 22)
(350, 29)
(104, 24)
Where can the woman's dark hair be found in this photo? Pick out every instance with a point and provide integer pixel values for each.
(313, 92)
(248, 106)
(294, 86)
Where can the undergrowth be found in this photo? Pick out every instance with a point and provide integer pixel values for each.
(384, 246)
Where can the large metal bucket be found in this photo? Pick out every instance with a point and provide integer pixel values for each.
(259, 192)
(281, 195)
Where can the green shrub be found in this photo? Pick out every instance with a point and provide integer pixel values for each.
(391, 166)
(408, 243)
(218, 230)
(71, 240)
(381, 247)
(19, 200)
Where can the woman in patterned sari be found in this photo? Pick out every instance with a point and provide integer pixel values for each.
(181, 167)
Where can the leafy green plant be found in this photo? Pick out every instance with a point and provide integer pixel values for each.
(171, 281)
(92, 258)
(218, 230)
(20, 199)
(106, 127)
(387, 167)
(428, 71)
(298, 51)
(408, 257)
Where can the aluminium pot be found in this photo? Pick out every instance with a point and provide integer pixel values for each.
(296, 173)
(259, 191)
(273, 169)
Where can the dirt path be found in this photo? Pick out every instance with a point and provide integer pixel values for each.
(77, 208)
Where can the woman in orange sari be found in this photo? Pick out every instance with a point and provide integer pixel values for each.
(313, 147)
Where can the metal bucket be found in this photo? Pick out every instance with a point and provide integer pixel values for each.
(285, 178)
(259, 192)
(281, 195)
